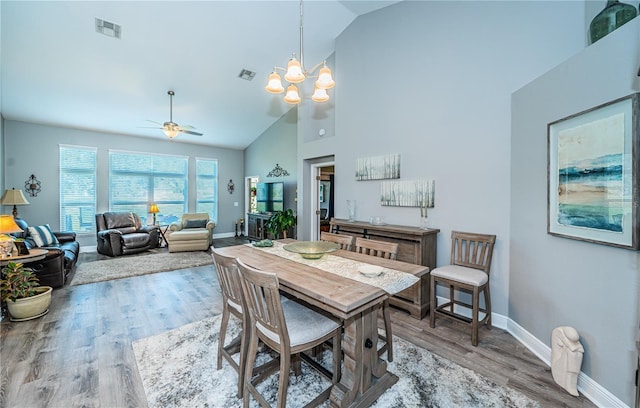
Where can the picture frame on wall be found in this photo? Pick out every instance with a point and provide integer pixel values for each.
(592, 175)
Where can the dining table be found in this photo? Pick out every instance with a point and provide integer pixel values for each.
(333, 285)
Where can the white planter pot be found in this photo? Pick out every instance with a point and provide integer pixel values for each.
(31, 307)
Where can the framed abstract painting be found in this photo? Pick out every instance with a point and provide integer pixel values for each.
(592, 174)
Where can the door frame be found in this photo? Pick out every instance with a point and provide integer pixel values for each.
(314, 204)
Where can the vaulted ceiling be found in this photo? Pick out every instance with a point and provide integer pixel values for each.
(56, 69)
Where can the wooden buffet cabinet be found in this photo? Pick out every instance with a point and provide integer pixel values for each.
(416, 245)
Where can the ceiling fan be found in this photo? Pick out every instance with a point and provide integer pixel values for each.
(172, 129)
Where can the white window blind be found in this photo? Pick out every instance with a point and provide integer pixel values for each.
(207, 187)
(77, 188)
(136, 180)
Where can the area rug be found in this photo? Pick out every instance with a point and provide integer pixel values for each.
(125, 267)
(178, 369)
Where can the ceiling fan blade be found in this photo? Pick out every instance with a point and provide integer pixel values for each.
(189, 132)
(149, 127)
(154, 122)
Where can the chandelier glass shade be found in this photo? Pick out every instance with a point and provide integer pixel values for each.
(295, 73)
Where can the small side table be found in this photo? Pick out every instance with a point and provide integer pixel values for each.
(35, 254)
(162, 229)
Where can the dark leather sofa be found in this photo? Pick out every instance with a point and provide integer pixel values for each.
(122, 233)
(59, 261)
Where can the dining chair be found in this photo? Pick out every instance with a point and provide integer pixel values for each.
(387, 250)
(345, 241)
(232, 304)
(288, 328)
(468, 271)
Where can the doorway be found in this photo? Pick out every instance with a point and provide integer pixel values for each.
(322, 198)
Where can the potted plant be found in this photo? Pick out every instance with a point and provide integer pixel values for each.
(24, 296)
(281, 221)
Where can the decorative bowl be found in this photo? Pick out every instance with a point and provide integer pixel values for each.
(312, 249)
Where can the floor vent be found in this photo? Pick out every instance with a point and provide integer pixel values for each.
(108, 28)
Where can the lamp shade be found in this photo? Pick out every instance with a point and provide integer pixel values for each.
(325, 80)
(294, 71)
(320, 95)
(292, 96)
(153, 209)
(274, 85)
(8, 225)
(13, 197)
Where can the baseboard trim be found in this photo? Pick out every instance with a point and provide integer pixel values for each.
(587, 386)
(224, 235)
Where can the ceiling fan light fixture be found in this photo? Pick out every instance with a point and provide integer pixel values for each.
(274, 85)
(170, 129)
(292, 96)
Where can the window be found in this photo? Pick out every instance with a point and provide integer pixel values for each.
(139, 179)
(77, 188)
(207, 187)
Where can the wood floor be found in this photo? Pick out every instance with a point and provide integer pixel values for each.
(80, 355)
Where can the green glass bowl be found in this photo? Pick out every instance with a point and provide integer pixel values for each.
(312, 249)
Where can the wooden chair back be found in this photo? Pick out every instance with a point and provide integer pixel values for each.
(472, 250)
(381, 249)
(345, 241)
(262, 296)
(228, 278)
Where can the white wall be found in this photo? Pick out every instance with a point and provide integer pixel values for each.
(557, 281)
(33, 149)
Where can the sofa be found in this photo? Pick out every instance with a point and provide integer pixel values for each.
(193, 233)
(122, 233)
(61, 259)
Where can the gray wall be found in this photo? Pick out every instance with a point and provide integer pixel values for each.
(33, 149)
(277, 145)
(433, 82)
(557, 281)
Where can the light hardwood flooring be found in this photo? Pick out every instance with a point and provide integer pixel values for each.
(80, 355)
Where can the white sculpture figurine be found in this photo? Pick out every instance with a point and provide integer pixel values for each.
(566, 358)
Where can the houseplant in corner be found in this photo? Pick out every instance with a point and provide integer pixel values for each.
(281, 221)
(24, 296)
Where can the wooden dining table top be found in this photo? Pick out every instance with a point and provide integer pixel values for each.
(339, 295)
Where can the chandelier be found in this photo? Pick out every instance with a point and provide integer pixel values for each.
(296, 73)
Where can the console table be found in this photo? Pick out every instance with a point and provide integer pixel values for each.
(415, 245)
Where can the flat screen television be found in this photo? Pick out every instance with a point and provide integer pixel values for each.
(270, 197)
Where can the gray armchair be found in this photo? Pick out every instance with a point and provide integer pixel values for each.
(122, 233)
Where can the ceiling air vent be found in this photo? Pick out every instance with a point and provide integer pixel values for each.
(108, 28)
(246, 74)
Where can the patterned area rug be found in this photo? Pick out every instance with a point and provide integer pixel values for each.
(178, 369)
(127, 266)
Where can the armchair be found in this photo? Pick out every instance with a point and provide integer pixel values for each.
(122, 233)
(193, 233)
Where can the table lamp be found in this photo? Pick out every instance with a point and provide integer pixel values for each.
(7, 225)
(13, 197)
(154, 210)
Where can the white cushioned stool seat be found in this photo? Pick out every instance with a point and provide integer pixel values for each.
(470, 276)
(300, 331)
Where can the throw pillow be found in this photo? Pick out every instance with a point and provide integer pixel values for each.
(42, 235)
(195, 224)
